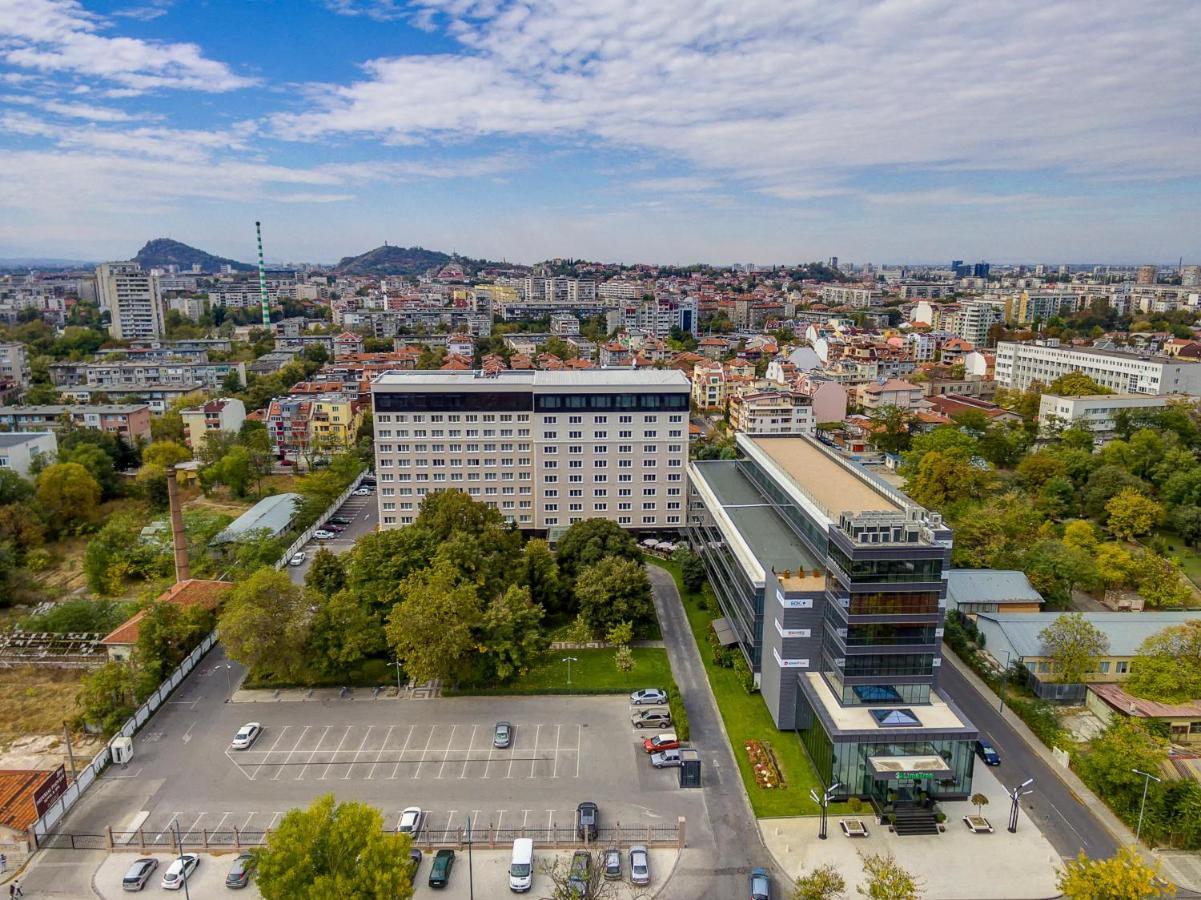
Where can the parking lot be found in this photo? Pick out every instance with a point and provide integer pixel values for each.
(363, 513)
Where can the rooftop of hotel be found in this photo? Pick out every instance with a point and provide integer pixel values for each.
(937, 714)
(601, 377)
(834, 484)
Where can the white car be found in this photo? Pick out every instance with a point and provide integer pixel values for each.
(179, 871)
(247, 735)
(410, 820)
(298, 559)
(362, 492)
(648, 697)
(640, 865)
(322, 535)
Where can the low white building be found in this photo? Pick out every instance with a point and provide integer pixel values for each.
(1096, 412)
(1020, 365)
(18, 449)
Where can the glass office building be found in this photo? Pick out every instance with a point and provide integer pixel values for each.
(831, 584)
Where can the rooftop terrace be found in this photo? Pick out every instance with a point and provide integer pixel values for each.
(834, 484)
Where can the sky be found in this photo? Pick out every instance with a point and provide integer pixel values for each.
(672, 131)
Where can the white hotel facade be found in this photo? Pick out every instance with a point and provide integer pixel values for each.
(1020, 365)
(545, 448)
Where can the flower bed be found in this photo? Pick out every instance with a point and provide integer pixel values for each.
(763, 763)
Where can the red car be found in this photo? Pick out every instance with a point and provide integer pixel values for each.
(660, 742)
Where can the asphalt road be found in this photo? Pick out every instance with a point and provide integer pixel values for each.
(363, 513)
(714, 866)
(1064, 820)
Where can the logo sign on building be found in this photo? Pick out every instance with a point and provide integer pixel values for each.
(913, 776)
(52, 788)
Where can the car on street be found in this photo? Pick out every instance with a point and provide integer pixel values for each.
(247, 735)
(362, 492)
(414, 864)
(242, 871)
(587, 820)
(580, 874)
(139, 873)
(987, 752)
(410, 820)
(665, 741)
(760, 884)
(179, 871)
(648, 697)
(502, 737)
(323, 534)
(665, 759)
(338, 520)
(334, 527)
(612, 868)
(298, 559)
(640, 865)
(651, 718)
(444, 861)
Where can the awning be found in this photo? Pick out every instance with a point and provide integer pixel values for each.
(725, 632)
(903, 768)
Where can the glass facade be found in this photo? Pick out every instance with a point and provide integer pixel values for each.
(741, 602)
(899, 603)
(665, 402)
(886, 570)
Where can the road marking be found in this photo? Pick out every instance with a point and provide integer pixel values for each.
(488, 762)
(187, 835)
(337, 750)
(500, 815)
(288, 758)
(222, 822)
(403, 750)
(470, 750)
(579, 739)
(167, 829)
(534, 758)
(449, 820)
(187, 735)
(550, 821)
(246, 824)
(555, 772)
(417, 771)
(383, 747)
(472, 824)
(312, 753)
(447, 751)
(362, 744)
(271, 824)
(279, 737)
(525, 815)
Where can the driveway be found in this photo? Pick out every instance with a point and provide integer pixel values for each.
(363, 513)
(714, 867)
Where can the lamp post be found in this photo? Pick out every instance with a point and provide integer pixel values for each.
(1004, 680)
(1147, 778)
(470, 866)
(1014, 795)
(824, 802)
(229, 688)
(184, 869)
(569, 660)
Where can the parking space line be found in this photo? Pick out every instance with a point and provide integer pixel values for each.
(525, 816)
(550, 820)
(187, 835)
(472, 824)
(312, 753)
(470, 750)
(362, 744)
(222, 822)
(534, 758)
(446, 753)
(449, 820)
(500, 815)
(337, 750)
(383, 747)
(274, 818)
(555, 771)
(279, 737)
(417, 771)
(488, 762)
(288, 758)
(246, 824)
(409, 737)
(579, 739)
(167, 829)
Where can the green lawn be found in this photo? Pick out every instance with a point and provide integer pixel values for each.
(746, 717)
(1189, 558)
(594, 672)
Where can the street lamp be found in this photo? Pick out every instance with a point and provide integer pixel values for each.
(1004, 679)
(184, 869)
(470, 867)
(229, 689)
(824, 802)
(1014, 795)
(569, 660)
(397, 664)
(1147, 778)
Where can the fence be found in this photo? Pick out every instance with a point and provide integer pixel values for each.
(307, 535)
(141, 841)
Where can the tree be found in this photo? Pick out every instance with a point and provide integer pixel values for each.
(1037, 469)
(326, 574)
(156, 460)
(334, 850)
(1123, 876)
(1073, 645)
(1055, 570)
(613, 591)
(887, 880)
(1186, 520)
(542, 578)
(512, 633)
(1115, 565)
(1160, 581)
(590, 541)
(890, 429)
(68, 496)
(821, 883)
(1167, 667)
(265, 625)
(106, 697)
(692, 572)
(235, 470)
(345, 630)
(979, 801)
(564, 887)
(432, 628)
(98, 463)
(1081, 535)
(381, 561)
(1104, 484)
(166, 634)
(1075, 384)
(946, 478)
(13, 488)
(1130, 514)
(1108, 767)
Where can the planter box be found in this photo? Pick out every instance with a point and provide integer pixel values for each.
(978, 824)
(853, 828)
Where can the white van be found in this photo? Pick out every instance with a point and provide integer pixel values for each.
(521, 868)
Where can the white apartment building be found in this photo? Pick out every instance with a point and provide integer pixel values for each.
(974, 318)
(14, 365)
(1096, 412)
(564, 324)
(620, 289)
(1020, 365)
(545, 448)
(657, 316)
(855, 296)
(19, 449)
(133, 299)
(773, 412)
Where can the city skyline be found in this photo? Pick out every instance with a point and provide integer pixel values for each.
(672, 134)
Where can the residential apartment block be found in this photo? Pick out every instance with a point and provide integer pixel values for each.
(130, 421)
(19, 450)
(973, 319)
(657, 317)
(103, 376)
(223, 416)
(1020, 365)
(14, 366)
(133, 300)
(1096, 412)
(855, 296)
(545, 448)
(831, 585)
(773, 412)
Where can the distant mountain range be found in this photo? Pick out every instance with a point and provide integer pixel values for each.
(166, 252)
(391, 260)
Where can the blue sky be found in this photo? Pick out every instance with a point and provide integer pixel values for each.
(672, 131)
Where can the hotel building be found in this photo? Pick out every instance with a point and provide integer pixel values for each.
(832, 585)
(545, 448)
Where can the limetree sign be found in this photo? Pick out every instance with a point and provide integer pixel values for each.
(913, 776)
(52, 788)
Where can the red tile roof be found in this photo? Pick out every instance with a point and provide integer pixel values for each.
(193, 592)
(17, 787)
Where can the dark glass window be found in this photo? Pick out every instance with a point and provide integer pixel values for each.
(877, 570)
(917, 602)
(473, 401)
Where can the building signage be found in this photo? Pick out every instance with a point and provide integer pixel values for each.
(794, 602)
(913, 776)
(52, 788)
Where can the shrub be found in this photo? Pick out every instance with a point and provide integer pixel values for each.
(679, 715)
(1039, 717)
(745, 676)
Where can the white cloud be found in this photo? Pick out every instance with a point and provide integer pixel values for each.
(380, 10)
(797, 98)
(61, 36)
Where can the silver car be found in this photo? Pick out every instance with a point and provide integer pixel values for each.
(640, 865)
(138, 874)
(502, 738)
(666, 758)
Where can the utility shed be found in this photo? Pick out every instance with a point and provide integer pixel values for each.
(271, 514)
(973, 591)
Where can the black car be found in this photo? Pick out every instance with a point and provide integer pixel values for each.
(444, 861)
(241, 871)
(587, 819)
(414, 863)
(987, 752)
(338, 520)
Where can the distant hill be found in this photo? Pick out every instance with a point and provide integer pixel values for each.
(391, 260)
(41, 262)
(166, 252)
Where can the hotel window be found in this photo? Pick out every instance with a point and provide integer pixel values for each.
(552, 521)
(1122, 667)
(549, 464)
(602, 507)
(648, 520)
(623, 520)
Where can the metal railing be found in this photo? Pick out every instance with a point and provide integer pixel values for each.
(307, 534)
